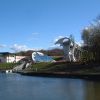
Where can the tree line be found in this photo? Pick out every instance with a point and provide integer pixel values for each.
(91, 39)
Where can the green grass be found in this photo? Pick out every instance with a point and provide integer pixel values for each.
(40, 66)
(57, 58)
(48, 66)
(5, 66)
(64, 66)
(56, 66)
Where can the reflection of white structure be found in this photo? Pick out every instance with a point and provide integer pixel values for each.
(40, 57)
(68, 48)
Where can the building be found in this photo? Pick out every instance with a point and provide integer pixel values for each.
(6, 57)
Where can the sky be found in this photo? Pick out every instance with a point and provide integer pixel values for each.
(36, 24)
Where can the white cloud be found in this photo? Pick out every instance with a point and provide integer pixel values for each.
(34, 36)
(35, 33)
(55, 46)
(54, 41)
(80, 43)
(2, 46)
(18, 48)
(57, 38)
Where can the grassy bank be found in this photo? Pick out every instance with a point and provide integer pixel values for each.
(5, 66)
(57, 67)
(66, 67)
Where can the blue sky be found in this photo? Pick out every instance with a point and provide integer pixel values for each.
(35, 24)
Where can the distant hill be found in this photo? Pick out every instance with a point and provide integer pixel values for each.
(53, 52)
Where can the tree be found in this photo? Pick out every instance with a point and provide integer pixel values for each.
(91, 38)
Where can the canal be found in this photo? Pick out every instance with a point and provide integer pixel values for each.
(18, 87)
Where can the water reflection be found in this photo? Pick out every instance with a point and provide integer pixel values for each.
(92, 90)
(17, 87)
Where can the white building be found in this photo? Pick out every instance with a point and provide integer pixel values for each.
(6, 57)
(14, 58)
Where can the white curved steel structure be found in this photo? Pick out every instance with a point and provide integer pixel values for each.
(40, 57)
(68, 48)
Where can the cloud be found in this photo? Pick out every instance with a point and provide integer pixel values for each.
(35, 33)
(55, 46)
(80, 43)
(34, 36)
(2, 46)
(18, 48)
(57, 38)
(54, 41)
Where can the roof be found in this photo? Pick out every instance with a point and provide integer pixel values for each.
(4, 53)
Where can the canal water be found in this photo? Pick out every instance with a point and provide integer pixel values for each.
(18, 87)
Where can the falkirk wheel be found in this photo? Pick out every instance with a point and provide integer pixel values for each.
(70, 49)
